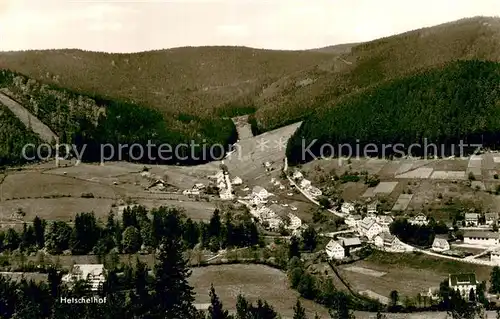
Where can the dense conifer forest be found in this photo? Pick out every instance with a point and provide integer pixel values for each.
(458, 101)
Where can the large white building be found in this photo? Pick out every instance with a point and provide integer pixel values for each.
(334, 250)
(481, 238)
(463, 283)
(94, 273)
(369, 228)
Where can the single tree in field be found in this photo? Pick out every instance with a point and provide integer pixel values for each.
(298, 311)
(394, 296)
(215, 310)
(293, 248)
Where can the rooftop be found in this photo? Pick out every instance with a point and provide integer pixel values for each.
(480, 234)
(463, 279)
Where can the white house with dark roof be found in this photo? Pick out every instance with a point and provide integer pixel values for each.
(440, 244)
(260, 193)
(471, 219)
(463, 283)
(388, 242)
(334, 250)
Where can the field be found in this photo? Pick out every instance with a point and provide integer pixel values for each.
(409, 274)
(436, 186)
(252, 281)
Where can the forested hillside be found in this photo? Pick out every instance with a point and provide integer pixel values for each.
(459, 101)
(94, 121)
(277, 87)
(293, 98)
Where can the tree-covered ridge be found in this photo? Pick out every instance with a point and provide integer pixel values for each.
(92, 120)
(458, 101)
(281, 87)
(373, 62)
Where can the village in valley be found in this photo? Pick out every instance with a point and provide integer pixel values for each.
(366, 223)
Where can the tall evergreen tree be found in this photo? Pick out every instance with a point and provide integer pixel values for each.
(298, 311)
(293, 248)
(173, 297)
(215, 310)
(39, 228)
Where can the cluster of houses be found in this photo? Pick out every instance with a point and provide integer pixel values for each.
(373, 229)
(306, 185)
(224, 183)
(271, 216)
(197, 188)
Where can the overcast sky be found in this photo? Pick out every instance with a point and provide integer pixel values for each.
(130, 26)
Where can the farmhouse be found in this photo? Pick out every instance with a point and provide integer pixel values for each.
(350, 243)
(260, 192)
(347, 208)
(495, 256)
(237, 181)
(440, 244)
(482, 238)
(334, 250)
(463, 283)
(352, 220)
(491, 218)
(471, 219)
(369, 227)
(420, 220)
(94, 273)
(388, 242)
(305, 183)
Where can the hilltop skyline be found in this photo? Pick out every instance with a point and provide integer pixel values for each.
(132, 26)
